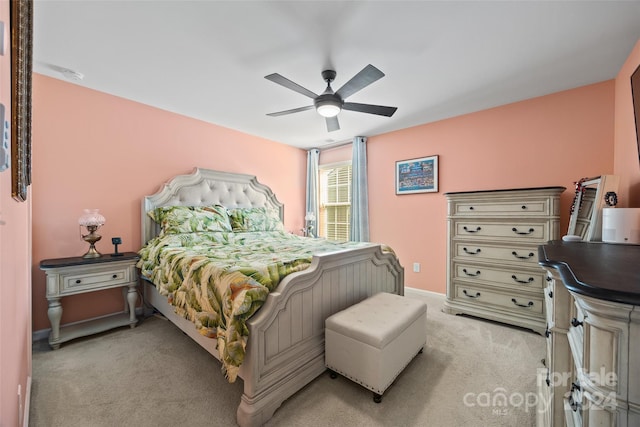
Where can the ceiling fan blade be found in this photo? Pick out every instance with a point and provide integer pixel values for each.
(380, 110)
(364, 78)
(332, 124)
(283, 81)
(294, 110)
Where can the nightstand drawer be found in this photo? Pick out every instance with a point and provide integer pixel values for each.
(98, 279)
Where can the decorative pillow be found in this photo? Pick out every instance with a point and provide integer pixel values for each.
(191, 219)
(255, 219)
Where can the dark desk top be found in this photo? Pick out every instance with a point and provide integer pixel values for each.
(506, 189)
(78, 260)
(600, 270)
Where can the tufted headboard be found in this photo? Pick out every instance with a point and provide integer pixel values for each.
(207, 187)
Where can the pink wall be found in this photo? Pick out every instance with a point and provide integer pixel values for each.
(15, 275)
(93, 150)
(548, 141)
(626, 163)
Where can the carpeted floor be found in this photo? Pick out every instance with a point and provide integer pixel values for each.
(154, 375)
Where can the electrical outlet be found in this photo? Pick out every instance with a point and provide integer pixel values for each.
(416, 267)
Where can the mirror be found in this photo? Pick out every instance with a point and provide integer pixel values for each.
(586, 211)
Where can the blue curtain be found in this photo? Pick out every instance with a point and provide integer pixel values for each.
(311, 205)
(359, 225)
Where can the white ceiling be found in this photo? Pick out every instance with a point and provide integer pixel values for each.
(208, 59)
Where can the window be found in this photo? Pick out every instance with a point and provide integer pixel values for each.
(335, 201)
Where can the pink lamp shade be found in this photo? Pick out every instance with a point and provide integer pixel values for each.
(91, 217)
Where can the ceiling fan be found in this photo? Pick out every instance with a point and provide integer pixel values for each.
(330, 103)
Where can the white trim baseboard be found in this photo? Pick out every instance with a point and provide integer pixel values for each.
(27, 403)
(40, 335)
(421, 292)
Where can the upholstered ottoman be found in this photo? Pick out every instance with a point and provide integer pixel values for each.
(373, 341)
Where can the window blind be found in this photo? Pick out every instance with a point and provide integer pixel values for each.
(335, 209)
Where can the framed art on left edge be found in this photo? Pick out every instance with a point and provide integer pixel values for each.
(21, 65)
(417, 175)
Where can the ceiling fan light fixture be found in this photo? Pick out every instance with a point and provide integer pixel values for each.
(328, 105)
(328, 110)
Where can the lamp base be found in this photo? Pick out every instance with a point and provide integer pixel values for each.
(92, 253)
(92, 238)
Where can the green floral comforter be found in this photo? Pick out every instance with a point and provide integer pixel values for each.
(219, 279)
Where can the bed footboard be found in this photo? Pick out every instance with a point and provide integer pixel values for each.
(286, 343)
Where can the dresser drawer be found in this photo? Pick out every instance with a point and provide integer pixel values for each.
(512, 277)
(500, 208)
(534, 232)
(97, 278)
(504, 299)
(515, 255)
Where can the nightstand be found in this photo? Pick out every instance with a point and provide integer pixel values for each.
(77, 275)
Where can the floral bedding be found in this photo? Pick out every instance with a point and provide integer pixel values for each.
(218, 279)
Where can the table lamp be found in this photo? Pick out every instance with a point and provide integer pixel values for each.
(92, 220)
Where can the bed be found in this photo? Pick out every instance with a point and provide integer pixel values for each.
(285, 344)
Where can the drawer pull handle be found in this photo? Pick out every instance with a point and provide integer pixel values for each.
(470, 208)
(574, 405)
(471, 231)
(515, 230)
(513, 300)
(78, 281)
(531, 279)
(550, 294)
(464, 291)
(524, 207)
(471, 253)
(115, 276)
(515, 254)
(575, 322)
(471, 274)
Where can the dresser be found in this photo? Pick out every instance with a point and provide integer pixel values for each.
(591, 374)
(492, 263)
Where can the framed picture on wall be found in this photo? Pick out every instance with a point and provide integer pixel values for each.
(21, 58)
(417, 175)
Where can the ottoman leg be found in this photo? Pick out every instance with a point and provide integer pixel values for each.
(377, 397)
